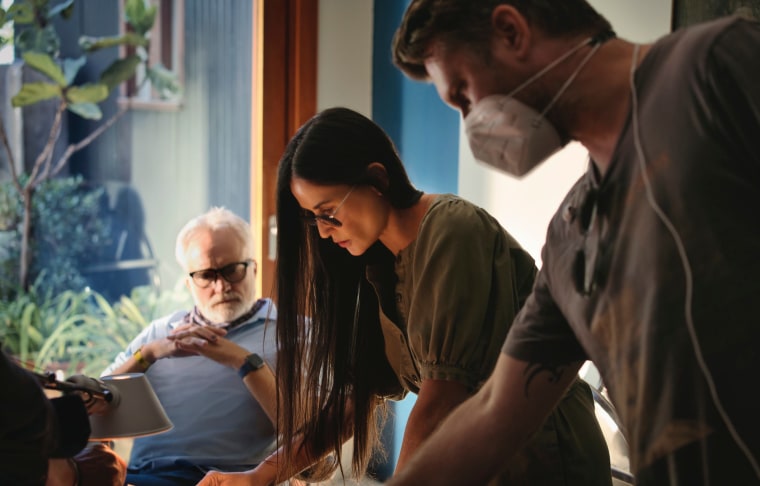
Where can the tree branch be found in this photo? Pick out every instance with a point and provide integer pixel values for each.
(9, 153)
(75, 147)
(47, 152)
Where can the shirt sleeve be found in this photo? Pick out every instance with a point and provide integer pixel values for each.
(733, 73)
(463, 292)
(540, 333)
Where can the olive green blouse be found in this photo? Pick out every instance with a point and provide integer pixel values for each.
(445, 309)
(455, 290)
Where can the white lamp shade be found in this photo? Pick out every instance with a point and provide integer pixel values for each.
(134, 412)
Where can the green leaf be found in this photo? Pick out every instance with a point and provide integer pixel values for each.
(21, 13)
(46, 65)
(56, 338)
(27, 323)
(90, 44)
(35, 92)
(104, 306)
(71, 67)
(132, 312)
(64, 9)
(87, 93)
(165, 82)
(134, 10)
(86, 110)
(120, 71)
(2, 16)
(42, 40)
(141, 19)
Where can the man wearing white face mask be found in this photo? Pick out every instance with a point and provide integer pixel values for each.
(646, 263)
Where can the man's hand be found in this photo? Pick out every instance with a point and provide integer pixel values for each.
(184, 340)
(190, 338)
(209, 342)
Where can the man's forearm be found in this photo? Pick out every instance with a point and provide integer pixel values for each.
(473, 443)
(138, 362)
(435, 401)
(442, 459)
(262, 385)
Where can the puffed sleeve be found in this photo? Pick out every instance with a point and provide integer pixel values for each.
(462, 284)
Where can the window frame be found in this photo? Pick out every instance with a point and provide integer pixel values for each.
(169, 30)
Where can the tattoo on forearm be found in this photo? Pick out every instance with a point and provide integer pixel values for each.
(552, 371)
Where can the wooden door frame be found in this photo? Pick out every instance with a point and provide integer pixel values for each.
(284, 97)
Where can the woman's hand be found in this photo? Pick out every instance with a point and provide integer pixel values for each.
(247, 478)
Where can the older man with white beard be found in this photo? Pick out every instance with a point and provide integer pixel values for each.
(210, 366)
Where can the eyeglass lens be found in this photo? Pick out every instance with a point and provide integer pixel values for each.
(328, 219)
(232, 273)
(313, 219)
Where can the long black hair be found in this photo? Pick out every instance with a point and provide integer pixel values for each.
(331, 348)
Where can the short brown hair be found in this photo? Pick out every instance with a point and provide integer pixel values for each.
(467, 23)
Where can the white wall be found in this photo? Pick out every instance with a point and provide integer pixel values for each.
(344, 65)
(344, 55)
(525, 206)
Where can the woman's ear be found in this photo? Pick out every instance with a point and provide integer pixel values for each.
(378, 177)
(511, 29)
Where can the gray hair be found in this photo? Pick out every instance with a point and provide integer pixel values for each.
(214, 219)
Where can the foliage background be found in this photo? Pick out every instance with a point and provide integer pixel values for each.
(68, 232)
(80, 332)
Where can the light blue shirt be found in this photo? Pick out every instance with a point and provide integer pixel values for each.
(217, 423)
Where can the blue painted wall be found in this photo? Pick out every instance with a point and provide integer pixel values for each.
(424, 129)
(426, 133)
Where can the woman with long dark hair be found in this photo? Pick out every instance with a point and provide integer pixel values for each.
(384, 290)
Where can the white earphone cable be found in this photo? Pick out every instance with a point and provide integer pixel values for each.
(687, 272)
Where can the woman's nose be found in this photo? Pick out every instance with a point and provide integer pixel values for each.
(324, 229)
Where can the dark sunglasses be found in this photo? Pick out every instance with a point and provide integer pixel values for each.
(327, 218)
(232, 273)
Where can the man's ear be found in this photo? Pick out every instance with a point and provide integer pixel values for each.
(378, 177)
(511, 28)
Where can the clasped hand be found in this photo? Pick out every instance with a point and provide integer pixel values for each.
(208, 341)
(191, 338)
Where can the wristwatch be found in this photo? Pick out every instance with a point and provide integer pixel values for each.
(252, 362)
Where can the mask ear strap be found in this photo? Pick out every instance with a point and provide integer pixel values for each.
(552, 64)
(570, 79)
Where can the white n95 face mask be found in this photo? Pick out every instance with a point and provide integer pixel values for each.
(509, 135)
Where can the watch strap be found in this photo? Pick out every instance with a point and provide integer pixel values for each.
(252, 362)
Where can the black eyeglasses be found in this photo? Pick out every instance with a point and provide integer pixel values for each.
(328, 218)
(232, 273)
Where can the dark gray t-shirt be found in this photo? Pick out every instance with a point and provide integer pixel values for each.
(614, 286)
